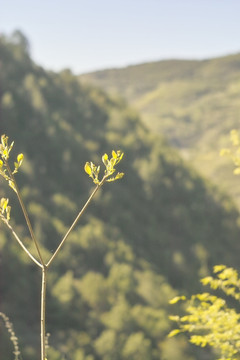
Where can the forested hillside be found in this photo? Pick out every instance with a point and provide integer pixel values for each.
(142, 240)
(194, 104)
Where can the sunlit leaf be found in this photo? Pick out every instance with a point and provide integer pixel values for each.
(20, 158)
(105, 159)
(176, 299)
(174, 317)
(12, 185)
(8, 212)
(114, 155)
(218, 268)
(174, 332)
(87, 168)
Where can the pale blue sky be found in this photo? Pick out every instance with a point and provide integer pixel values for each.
(96, 34)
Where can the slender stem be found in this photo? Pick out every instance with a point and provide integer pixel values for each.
(75, 221)
(21, 243)
(24, 212)
(43, 313)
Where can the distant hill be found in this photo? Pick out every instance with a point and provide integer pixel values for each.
(144, 238)
(194, 104)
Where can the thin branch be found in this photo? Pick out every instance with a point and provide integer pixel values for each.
(24, 212)
(21, 243)
(76, 220)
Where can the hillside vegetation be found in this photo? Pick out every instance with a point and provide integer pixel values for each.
(144, 238)
(194, 104)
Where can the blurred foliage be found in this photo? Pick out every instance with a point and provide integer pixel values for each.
(209, 320)
(234, 151)
(194, 104)
(141, 241)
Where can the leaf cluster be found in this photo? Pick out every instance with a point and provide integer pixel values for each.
(93, 170)
(5, 170)
(6, 173)
(208, 319)
(5, 209)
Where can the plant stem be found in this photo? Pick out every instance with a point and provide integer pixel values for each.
(24, 212)
(21, 243)
(43, 313)
(75, 221)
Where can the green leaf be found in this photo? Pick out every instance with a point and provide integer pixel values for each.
(8, 210)
(20, 158)
(206, 280)
(12, 185)
(119, 176)
(114, 155)
(174, 317)
(218, 268)
(174, 332)
(10, 147)
(87, 168)
(105, 159)
(113, 162)
(4, 203)
(120, 155)
(176, 299)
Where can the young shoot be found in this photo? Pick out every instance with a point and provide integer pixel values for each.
(93, 171)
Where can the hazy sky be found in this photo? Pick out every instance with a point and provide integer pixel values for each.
(96, 34)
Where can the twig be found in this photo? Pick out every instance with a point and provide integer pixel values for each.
(75, 221)
(20, 242)
(24, 212)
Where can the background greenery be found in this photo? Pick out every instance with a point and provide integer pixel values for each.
(144, 239)
(194, 104)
